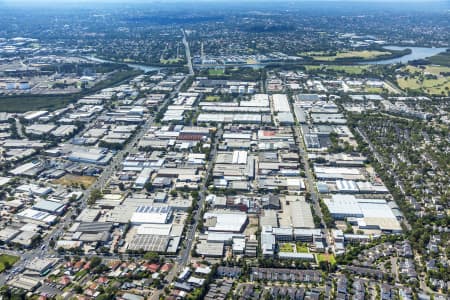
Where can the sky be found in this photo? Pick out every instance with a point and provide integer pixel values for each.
(162, 1)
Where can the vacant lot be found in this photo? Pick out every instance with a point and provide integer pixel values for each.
(7, 260)
(70, 180)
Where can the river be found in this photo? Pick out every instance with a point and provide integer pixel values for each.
(416, 53)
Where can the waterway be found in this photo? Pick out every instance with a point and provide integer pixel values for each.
(416, 53)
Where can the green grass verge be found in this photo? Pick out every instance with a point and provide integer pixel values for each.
(212, 98)
(326, 257)
(7, 260)
(302, 248)
(171, 61)
(287, 247)
(216, 72)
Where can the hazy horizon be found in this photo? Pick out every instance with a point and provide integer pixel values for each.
(426, 5)
(204, 1)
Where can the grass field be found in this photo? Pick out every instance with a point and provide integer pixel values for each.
(287, 247)
(212, 98)
(373, 90)
(326, 257)
(366, 54)
(432, 69)
(8, 259)
(216, 72)
(170, 61)
(351, 70)
(70, 180)
(302, 248)
(417, 80)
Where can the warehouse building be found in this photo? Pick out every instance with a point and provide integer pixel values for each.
(90, 156)
(336, 173)
(143, 178)
(370, 214)
(285, 118)
(8, 234)
(232, 118)
(56, 208)
(296, 213)
(40, 129)
(296, 255)
(26, 283)
(28, 169)
(147, 214)
(280, 103)
(64, 130)
(225, 221)
(34, 189)
(36, 216)
(209, 249)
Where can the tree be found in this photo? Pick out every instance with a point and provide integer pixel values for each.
(73, 198)
(7, 265)
(77, 289)
(151, 256)
(94, 196)
(148, 186)
(95, 261)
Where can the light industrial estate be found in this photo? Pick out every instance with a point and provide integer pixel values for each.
(261, 152)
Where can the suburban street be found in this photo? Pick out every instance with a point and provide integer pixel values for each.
(381, 161)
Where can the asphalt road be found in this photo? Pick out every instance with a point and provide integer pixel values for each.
(185, 258)
(20, 128)
(182, 259)
(188, 53)
(310, 181)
